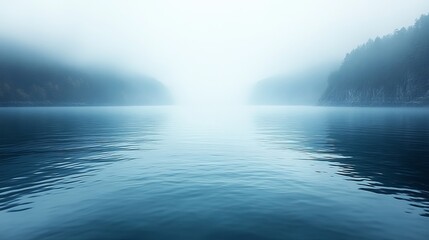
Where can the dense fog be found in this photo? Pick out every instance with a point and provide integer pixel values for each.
(205, 52)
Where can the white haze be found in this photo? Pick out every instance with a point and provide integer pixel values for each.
(204, 51)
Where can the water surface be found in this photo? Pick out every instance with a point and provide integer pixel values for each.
(171, 173)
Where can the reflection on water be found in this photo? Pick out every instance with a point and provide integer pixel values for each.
(44, 149)
(385, 150)
(167, 173)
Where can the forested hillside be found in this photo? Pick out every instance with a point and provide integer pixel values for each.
(301, 88)
(30, 79)
(392, 70)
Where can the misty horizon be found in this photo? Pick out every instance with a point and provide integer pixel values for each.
(214, 120)
(205, 53)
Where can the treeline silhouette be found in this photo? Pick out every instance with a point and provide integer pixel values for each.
(31, 79)
(300, 88)
(392, 70)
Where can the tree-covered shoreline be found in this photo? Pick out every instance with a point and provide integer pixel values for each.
(31, 79)
(388, 71)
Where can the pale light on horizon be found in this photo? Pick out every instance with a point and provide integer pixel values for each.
(206, 52)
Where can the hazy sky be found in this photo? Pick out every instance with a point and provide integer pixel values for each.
(205, 51)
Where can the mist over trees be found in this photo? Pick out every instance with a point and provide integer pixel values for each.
(301, 88)
(392, 70)
(31, 79)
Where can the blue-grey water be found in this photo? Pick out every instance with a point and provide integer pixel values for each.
(175, 173)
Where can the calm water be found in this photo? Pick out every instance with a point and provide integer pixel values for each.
(171, 173)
